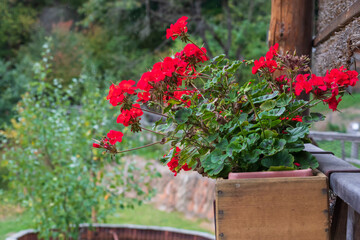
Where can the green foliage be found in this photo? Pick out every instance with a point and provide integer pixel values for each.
(52, 170)
(12, 85)
(17, 21)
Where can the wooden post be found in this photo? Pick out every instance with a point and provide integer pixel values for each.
(343, 154)
(291, 25)
(355, 150)
(339, 220)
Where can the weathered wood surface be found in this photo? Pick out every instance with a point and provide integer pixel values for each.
(339, 220)
(124, 231)
(291, 25)
(344, 180)
(339, 22)
(329, 163)
(330, 136)
(272, 209)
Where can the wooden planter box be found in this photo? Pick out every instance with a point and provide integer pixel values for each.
(272, 208)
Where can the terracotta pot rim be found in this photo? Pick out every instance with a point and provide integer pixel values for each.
(272, 174)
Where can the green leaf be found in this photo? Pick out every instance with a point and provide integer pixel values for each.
(265, 97)
(283, 100)
(272, 146)
(252, 156)
(270, 133)
(280, 168)
(293, 134)
(212, 137)
(236, 145)
(268, 105)
(213, 163)
(236, 64)
(273, 123)
(218, 58)
(295, 146)
(274, 113)
(313, 117)
(223, 144)
(283, 158)
(306, 160)
(243, 117)
(182, 115)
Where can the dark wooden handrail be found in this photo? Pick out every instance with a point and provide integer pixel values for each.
(344, 181)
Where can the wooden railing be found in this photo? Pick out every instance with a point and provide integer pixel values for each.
(344, 182)
(342, 137)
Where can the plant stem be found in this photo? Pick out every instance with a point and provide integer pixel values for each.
(148, 145)
(163, 134)
(256, 115)
(152, 112)
(303, 106)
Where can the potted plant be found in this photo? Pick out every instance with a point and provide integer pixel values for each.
(217, 126)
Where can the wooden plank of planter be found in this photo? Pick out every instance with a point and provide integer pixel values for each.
(272, 208)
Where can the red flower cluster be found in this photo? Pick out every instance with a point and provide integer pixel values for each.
(268, 61)
(107, 142)
(174, 163)
(333, 82)
(177, 29)
(117, 93)
(130, 116)
(170, 70)
(192, 54)
(114, 136)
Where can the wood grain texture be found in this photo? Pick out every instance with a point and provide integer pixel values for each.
(272, 209)
(291, 25)
(339, 220)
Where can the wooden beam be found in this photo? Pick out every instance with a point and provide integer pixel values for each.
(291, 25)
(338, 23)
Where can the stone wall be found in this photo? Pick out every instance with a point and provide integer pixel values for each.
(328, 10)
(188, 193)
(338, 49)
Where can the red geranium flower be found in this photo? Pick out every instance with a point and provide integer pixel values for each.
(267, 62)
(116, 93)
(174, 163)
(143, 97)
(177, 29)
(95, 145)
(301, 84)
(114, 136)
(128, 117)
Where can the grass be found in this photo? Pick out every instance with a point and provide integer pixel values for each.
(142, 215)
(12, 220)
(335, 147)
(148, 215)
